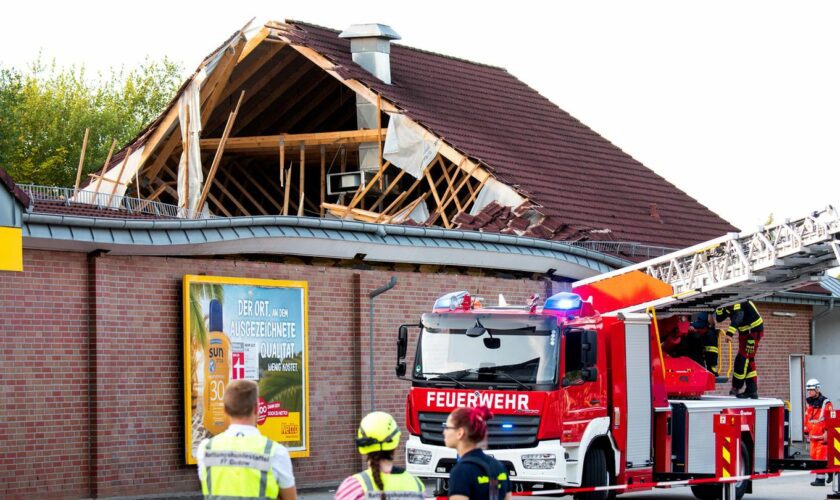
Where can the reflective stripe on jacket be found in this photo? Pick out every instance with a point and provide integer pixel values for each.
(815, 416)
(239, 467)
(397, 485)
(743, 317)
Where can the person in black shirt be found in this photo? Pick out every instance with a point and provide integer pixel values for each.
(476, 476)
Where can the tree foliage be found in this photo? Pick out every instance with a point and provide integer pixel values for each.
(45, 109)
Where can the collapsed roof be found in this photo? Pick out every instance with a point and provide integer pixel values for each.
(391, 134)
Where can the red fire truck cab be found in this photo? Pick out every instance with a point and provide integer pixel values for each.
(580, 398)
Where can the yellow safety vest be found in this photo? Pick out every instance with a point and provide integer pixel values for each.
(239, 467)
(401, 485)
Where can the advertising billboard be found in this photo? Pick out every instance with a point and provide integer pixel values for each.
(253, 329)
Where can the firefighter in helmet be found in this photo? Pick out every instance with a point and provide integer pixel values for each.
(745, 320)
(817, 407)
(378, 436)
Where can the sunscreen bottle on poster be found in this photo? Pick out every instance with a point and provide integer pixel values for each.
(216, 372)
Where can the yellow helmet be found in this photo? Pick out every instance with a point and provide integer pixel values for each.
(378, 431)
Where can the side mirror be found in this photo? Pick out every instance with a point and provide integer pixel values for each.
(476, 330)
(402, 342)
(402, 348)
(492, 343)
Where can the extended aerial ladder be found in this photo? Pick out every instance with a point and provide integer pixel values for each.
(735, 267)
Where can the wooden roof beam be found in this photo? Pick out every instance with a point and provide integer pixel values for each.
(372, 97)
(271, 142)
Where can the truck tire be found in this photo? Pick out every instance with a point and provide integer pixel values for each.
(713, 491)
(595, 473)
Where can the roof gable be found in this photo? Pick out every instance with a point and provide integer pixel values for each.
(526, 140)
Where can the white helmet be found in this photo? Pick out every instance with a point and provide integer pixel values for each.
(812, 384)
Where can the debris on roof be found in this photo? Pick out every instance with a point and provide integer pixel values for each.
(292, 119)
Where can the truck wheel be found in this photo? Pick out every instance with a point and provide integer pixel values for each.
(713, 491)
(595, 473)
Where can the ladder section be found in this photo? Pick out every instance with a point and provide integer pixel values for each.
(738, 267)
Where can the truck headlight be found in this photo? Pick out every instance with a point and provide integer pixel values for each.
(539, 461)
(419, 457)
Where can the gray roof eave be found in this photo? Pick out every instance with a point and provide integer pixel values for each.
(313, 236)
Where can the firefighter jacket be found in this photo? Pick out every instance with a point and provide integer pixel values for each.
(815, 425)
(743, 318)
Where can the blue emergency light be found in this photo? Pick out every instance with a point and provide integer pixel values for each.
(563, 301)
(507, 426)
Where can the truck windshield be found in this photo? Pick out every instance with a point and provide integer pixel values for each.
(526, 353)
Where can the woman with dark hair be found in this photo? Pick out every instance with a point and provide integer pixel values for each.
(476, 476)
(378, 436)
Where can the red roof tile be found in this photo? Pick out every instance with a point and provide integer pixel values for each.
(528, 142)
(84, 210)
(13, 188)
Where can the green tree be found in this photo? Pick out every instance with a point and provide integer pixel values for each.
(45, 109)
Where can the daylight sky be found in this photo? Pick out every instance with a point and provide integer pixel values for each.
(736, 103)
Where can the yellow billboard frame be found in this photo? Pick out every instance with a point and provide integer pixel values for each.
(189, 279)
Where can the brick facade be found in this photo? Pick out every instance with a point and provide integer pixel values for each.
(92, 369)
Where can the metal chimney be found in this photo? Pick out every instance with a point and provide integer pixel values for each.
(370, 45)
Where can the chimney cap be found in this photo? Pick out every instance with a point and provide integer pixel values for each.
(373, 30)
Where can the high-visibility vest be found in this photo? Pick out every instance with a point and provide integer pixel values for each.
(239, 467)
(815, 416)
(399, 485)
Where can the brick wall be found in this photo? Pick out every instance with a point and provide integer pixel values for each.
(92, 369)
(44, 377)
(783, 336)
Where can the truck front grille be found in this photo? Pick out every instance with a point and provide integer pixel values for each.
(504, 431)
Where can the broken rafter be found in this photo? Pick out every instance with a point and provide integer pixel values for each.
(450, 189)
(286, 190)
(221, 77)
(218, 157)
(437, 198)
(301, 194)
(81, 162)
(323, 179)
(406, 211)
(356, 213)
(105, 166)
(365, 92)
(360, 194)
(210, 196)
(164, 130)
(387, 190)
(472, 197)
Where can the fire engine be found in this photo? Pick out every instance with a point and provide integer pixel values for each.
(582, 392)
